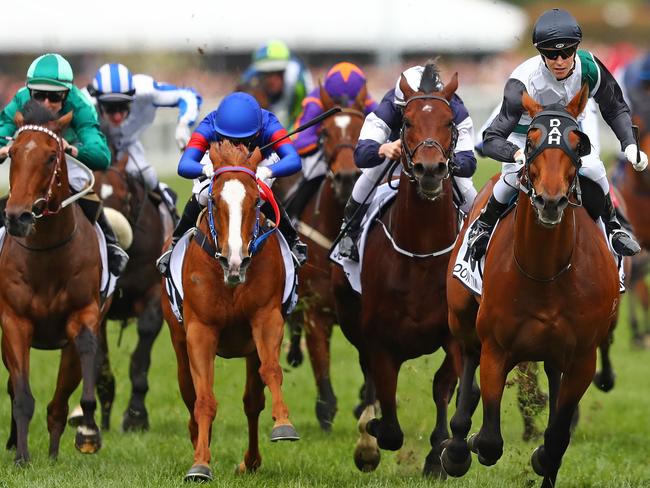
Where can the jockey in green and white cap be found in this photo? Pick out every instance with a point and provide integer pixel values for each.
(50, 72)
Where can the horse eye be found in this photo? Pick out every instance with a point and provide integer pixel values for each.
(52, 159)
(407, 123)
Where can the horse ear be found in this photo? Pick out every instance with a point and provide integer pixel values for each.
(451, 87)
(256, 157)
(325, 98)
(213, 153)
(19, 120)
(360, 100)
(530, 105)
(578, 103)
(64, 121)
(406, 88)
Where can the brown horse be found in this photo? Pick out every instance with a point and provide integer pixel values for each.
(319, 224)
(232, 307)
(550, 293)
(402, 313)
(50, 273)
(138, 291)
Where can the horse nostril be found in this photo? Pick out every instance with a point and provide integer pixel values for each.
(338, 177)
(562, 202)
(26, 218)
(538, 201)
(418, 169)
(442, 168)
(223, 261)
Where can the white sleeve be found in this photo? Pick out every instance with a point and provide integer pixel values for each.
(375, 129)
(168, 95)
(465, 135)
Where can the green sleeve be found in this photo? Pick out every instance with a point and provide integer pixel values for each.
(7, 126)
(91, 143)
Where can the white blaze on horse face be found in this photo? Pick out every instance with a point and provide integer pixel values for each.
(342, 122)
(233, 194)
(105, 191)
(427, 108)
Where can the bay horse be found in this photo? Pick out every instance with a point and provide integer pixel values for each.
(138, 292)
(232, 307)
(402, 313)
(50, 272)
(319, 224)
(550, 293)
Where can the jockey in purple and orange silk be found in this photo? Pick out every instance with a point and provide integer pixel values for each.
(343, 83)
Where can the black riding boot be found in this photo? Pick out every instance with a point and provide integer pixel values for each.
(188, 220)
(299, 200)
(622, 241)
(117, 257)
(298, 248)
(169, 198)
(481, 230)
(351, 228)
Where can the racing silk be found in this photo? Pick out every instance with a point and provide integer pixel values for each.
(297, 83)
(306, 142)
(634, 93)
(190, 164)
(149, 95)
(540, 83)
(384, 124)
(83, 132)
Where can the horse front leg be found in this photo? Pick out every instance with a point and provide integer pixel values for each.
(268, 329)
(444, 382)
(11, 440)
(546, 459)
(366, 452)
(294, 354)
(67, 380)
(16, 338)
(605, 378)
(105, 379)
(149, 325)
(83, 332)
(202, 343)
(253, 405)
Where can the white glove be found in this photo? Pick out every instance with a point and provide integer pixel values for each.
(183, 134)
(208, 170)
(630, 154)
(520, 157)
(264, 173)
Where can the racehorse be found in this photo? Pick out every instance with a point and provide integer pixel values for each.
(232, 306)
(401, 313)
(50, 273)
(319, 224)
(550, 293)
(138, 291)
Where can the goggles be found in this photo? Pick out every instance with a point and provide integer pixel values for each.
(115, 107)
(52, 96)
(553, 54)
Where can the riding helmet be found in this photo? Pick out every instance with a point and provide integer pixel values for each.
(238, 116)
(556, 29)
(272, 56)
(113, 82)
(50, 72)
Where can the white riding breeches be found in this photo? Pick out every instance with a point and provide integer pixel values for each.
(77, 177)
(313, 166)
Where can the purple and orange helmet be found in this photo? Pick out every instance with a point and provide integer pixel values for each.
(343, 82)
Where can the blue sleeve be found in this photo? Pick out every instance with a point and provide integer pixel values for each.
(458, 109)
(289, 163)
(190, 164)
(389, 112)
(464, 164)
(366, 154)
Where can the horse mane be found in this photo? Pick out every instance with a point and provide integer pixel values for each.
(430, 81)
(227, 152)
(35, 113)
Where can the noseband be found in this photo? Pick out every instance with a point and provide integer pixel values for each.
(408, 153)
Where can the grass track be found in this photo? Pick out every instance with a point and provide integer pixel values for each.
(609, 448)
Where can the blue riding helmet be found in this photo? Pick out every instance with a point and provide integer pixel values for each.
(238, 116)
(112, 83)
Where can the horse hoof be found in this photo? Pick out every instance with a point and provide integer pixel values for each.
(199, 473)
(453, 468)
(367, 461)
(325, 414)
(604, 382)
(87, 440)
(135, 420)
(295, 358)
(11, 443)
(75, 418)
(536, 461)
(471, 443)
(432, 468)
(284, 433)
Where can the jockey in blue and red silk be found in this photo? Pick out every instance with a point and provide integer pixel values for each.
(240, 120)
(343, 83)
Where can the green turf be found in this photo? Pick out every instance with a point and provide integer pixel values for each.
(608, 449)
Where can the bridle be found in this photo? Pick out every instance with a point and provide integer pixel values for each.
(330, 157)
(408, 153)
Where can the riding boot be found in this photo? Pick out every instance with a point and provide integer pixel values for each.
(117, 257)
(621, 240)
(298, 248)
(481, 229)
(187, 221)
(351, 228)
(303, 194)
(169, 198)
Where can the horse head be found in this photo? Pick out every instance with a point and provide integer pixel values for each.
(428, 131)
(554, 146)
(338, 137)
(233, 207)
(38, 175)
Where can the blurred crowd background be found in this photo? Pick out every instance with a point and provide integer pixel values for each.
(208, 44)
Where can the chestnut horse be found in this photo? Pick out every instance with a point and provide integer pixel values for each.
(550, 293)
(137, 291)
(401, 313)
(319, 225)
(232, 307)
(50, 272)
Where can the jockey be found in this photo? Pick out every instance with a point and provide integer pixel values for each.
(555, 77)
(283, 78)
(240, 120)
(49, 82)
(127, 106)
(343, 83)
(379, 144)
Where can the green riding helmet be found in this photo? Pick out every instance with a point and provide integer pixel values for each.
(272, 56)
(50, 72)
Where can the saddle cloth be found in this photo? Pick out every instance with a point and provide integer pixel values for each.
(174, 283)
(470, 272)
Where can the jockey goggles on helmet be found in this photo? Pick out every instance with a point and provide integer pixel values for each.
(115, 107)
(52, 96)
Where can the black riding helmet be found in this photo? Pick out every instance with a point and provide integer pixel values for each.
(556, 29)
